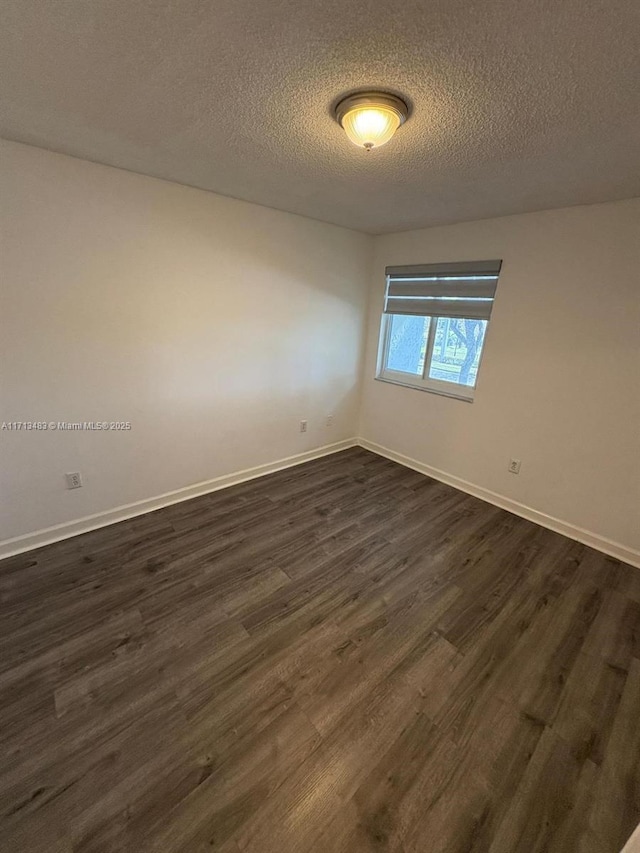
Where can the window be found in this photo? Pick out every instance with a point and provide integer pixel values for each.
(434, 325)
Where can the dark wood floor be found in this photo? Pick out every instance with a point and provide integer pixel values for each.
(341, 657)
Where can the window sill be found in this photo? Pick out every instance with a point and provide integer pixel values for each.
(466, 398)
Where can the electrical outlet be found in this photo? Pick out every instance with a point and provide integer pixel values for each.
(329, 421)
(74, 481)
(514, 466)
(303, 426)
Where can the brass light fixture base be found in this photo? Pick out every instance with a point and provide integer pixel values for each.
(371, 99)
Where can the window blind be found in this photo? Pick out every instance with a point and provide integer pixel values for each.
(464, 290)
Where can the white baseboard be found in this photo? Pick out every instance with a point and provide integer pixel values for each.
(29, 541)
(600, 543)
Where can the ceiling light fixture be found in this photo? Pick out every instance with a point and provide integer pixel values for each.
(371, 118)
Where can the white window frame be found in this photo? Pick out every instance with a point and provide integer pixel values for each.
(423, 382)
(461, 290)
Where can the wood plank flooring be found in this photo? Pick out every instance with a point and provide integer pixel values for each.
(341, 657)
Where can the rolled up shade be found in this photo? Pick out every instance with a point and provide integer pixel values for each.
(463, 290)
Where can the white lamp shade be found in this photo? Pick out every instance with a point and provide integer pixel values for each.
(371, 118)
(370, 127)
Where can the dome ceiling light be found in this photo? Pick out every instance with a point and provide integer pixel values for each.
(371, 118)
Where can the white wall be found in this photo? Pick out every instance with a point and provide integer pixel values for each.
(559, 382)
(212, 325)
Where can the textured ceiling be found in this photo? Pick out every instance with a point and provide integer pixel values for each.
(517, 104)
